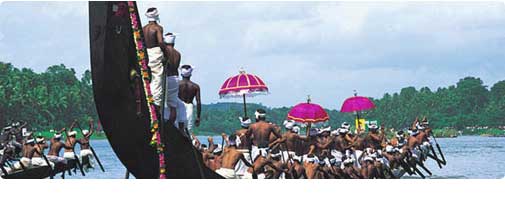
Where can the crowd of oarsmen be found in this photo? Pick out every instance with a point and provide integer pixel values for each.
(21, 150)
(259, 150)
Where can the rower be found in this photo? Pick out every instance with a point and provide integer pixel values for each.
(259, 134)
(54, 150)
(86, 149)
(27, 154)
(153, 36)
(230, 158)
(188, 91)
(243, 145)
(41, 145)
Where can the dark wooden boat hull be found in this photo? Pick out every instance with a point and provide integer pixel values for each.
(113, 56)
(31, 173)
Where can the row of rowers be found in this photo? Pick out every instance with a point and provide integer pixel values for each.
(21, 151)
(261, 150)
(164, 63)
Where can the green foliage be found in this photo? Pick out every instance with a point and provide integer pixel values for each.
(47, 100)
(469, 103)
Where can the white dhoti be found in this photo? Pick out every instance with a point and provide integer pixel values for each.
(155, 55)
(27, 163)
(336, 154)
(288, 154)
(357, 154)
(189, 115)
(87, 153)
(255, 152)
(39, 161)
(313, 159)
(247, 175)
(56, 159)
(227, 173)
(69, 155)
(172, 100)
(240, 167)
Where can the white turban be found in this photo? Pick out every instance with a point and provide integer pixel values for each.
(258, 114)
(418, 126)
(30, 141)
(85, 132)
(57, 135)
(372, 126)
(288, 124)
(335, 132)
(345, 125)
(327, 129)
(244, 123)
(153, 15)
(170, 39)
(389, 149)
(40, 140)
(186, 72)
(296, 129)
(368, 158)
(73, 133)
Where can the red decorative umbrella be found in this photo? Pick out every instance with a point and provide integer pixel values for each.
(308, 113)
(243, 85)
(357, 104)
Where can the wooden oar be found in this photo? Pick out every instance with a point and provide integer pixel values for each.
(97, 159)
(92, 150)
(435, 156)
(424, 167)
(439, 150)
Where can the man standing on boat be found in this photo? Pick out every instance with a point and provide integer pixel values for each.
(189, 90)
(153, 35)
(175, 111)
(259, 134)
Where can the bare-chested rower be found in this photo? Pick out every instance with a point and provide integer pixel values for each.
(40, 146)
(230, 158)
(54, 150)
(188, 91)
(71, 141)
(27, 154)
(153, 36)
(86, 153)
(259, 134)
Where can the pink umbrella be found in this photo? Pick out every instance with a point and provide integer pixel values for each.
(308, 113)
(357, 104)
(243, 85)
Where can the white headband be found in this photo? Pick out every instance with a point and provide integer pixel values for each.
(288, 124)
(72, 133)
(170, 39)
(85, 132)
(57, 135)
(186, 72)
(40, 140)
(244, 123)
(30, 141)
(258, 114)
(153, 15)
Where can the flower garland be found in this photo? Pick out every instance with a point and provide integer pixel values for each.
(142, 62)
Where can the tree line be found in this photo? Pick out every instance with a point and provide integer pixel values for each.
(55, 97)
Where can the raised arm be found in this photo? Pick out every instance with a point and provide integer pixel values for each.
(91, 126)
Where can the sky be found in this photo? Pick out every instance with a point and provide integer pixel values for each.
(322, 49)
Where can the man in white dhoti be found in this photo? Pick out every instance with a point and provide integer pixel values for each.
(175, 111)
(188, 91)
(259, 133)
(54, 150)
(153, 36)
(230, 157)
(37, 159)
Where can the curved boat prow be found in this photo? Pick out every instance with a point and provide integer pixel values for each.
(122, 110)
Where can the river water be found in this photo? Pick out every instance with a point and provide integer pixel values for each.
(468, 157)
